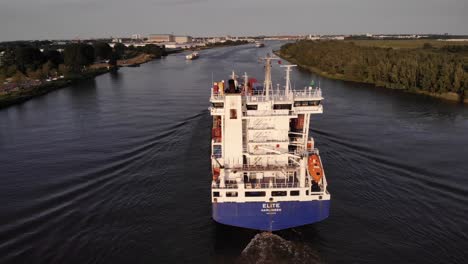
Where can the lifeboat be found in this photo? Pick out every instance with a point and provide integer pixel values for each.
(315, 168)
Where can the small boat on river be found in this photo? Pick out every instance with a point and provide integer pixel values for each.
(192, 56)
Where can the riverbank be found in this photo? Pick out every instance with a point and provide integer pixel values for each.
(449, 96)
(221, 45)
(22, 94)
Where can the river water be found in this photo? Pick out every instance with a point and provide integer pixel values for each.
(117, 170)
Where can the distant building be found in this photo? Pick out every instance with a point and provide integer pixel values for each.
(183, 39)
(452, 39)
(161, 38)
(313, 37)
(136, 37)
(337, 37)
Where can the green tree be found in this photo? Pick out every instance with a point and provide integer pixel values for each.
(47, 68)
(28, 57)
(8, 58)
(78, 55)
(458, 78)
(54, 57)
(63, 69)
(119, 50)
(102, 51)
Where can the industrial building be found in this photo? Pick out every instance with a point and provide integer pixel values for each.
(183, 39)
(157, 38)
(161, 38)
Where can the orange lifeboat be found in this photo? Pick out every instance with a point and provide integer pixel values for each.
(215, 174)
(315, 168)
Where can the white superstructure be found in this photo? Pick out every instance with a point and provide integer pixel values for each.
(261, 147)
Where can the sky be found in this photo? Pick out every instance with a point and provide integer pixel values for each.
(79, 19)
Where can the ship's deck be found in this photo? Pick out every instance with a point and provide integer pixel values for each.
(267, 183)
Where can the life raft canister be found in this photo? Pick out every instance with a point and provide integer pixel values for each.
(215, 88)
(216, 173)
(315, 168)
(299, 124)
(221, 87)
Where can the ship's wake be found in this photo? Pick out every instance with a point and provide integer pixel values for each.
(270, 248)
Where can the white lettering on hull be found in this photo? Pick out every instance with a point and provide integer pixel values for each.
(271, 208)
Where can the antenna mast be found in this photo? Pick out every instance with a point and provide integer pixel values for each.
(288, 77)
(267, 83)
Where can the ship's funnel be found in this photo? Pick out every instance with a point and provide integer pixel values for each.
(232, 86)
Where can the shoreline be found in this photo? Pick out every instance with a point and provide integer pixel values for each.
(448, 96)
(25, 94)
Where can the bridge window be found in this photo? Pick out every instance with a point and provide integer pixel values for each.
(282, 106)
(218, 105)
(215, 194)
(252, 107)
(231, 194)
(254, 194)
(233, 113)
(279, 193)
(294, 193)
(306, 103)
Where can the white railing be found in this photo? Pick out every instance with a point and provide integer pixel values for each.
(308, 94)
(216, 111)
(278, 112)
(250, 186)
(216, 97)
(271, 185)
(255, 98)
(261, 128)
(275, 95)
(310, 109)
(282, 96)
(266, 167)
(260, 140)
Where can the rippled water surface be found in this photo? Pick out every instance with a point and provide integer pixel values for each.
(116, 170)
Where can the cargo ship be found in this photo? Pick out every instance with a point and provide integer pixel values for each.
(267, 173)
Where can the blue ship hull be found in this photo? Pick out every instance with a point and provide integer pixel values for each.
(271, 216)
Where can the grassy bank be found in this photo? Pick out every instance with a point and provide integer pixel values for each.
(407, 44)
(413, 66)
(450, 96)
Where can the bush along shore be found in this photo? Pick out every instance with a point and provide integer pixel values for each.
(27, 90)
(26, 71)
(438, 72)
(30, 69)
